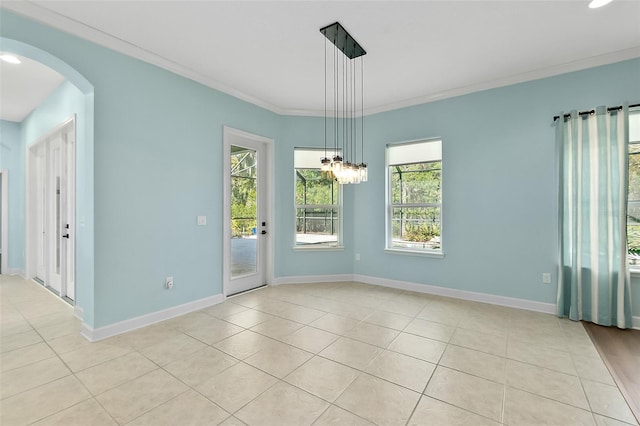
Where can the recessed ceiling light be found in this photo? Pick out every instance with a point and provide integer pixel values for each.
(598, 3)
(10, 59)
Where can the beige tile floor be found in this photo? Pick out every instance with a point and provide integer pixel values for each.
(321, 354)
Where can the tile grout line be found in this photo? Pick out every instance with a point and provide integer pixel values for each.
(372, 311)
(72, 373)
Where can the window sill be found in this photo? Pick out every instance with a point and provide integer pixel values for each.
(435, 254)
(312, 247)
(635, 272)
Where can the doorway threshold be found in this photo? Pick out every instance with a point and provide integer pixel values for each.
(247, 291)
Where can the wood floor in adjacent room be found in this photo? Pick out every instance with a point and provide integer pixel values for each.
(620, 350)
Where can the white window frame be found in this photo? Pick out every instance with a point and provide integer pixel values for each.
(390, 206)
(315, 164)
(634, 138)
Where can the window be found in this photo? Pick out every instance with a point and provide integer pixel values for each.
(633, 196)
(318, 202)
(414, 208)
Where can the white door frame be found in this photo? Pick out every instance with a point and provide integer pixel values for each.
(31, 244)
(231, 137)
(4, 182)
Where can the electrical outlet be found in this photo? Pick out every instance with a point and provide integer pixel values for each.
(168, 283)
(357, 256)
(546, 278)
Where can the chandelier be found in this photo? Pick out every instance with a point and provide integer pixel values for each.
(343, 115)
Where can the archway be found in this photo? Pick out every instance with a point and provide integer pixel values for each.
(84, 180)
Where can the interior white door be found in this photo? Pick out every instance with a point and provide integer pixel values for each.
(52, 168)
(54, 213)
(68, 214)
(39, 187)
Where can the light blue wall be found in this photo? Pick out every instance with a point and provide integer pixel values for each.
(63, 103)
(12, 160)
(499, 182)
(305, 132)
(157, 165)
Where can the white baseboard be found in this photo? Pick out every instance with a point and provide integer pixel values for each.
(78, 312)
(93, 335)
(15, 271)
(308, 279)
(101, 333)
(530, 305)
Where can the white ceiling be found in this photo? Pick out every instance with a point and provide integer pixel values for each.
(271, 52)
(24, 86)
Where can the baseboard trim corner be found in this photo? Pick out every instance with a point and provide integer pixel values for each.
(511, 302)
(78, 312)
(15, 271)
(100, 333)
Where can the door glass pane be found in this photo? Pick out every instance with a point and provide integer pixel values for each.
(244, 211)
(57, 225)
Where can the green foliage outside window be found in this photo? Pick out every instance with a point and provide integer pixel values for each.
(416, 199)
(243, 193)
(633, 197)
(317, 200)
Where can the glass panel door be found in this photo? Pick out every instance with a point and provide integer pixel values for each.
(246, 240)
(244, 211)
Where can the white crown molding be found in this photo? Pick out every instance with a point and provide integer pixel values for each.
(65, 24)
(48, 17)
(594, 61)
(95, 334)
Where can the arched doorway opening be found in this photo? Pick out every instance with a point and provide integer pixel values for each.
(72, 102)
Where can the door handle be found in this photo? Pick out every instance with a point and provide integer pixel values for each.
(264, 232)
(65, 236)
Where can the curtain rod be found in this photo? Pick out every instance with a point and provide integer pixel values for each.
(592, 111)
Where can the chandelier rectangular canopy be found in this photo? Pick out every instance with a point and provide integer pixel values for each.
(344, 95)
(343, 40)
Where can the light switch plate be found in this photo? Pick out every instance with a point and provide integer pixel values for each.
(202, 220)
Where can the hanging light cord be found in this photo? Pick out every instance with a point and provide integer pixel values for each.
(325, 98)
(362, 106)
